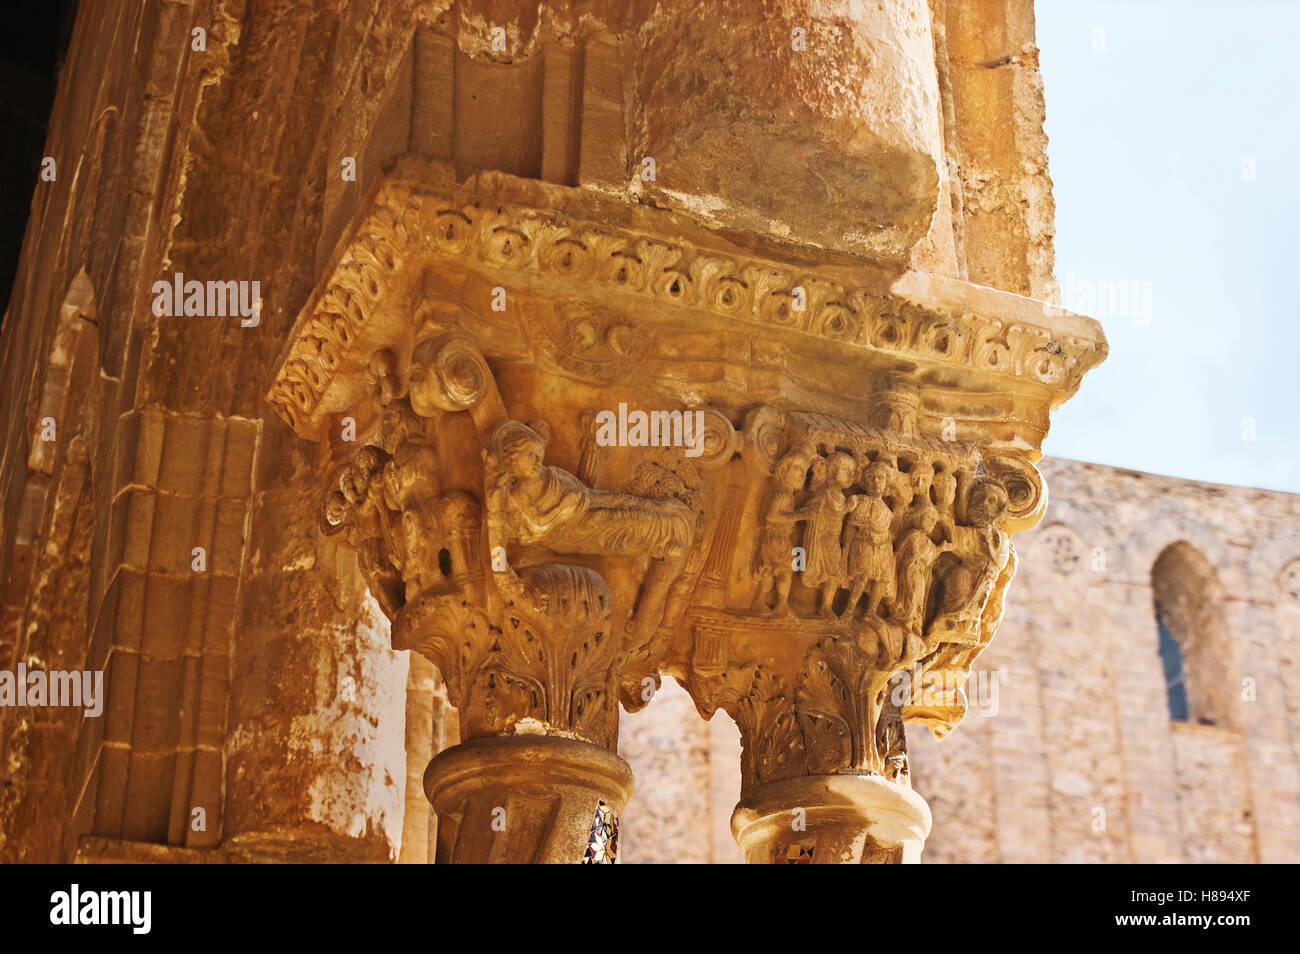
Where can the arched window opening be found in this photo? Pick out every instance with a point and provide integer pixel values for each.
(1194, 644)
(1171, 657)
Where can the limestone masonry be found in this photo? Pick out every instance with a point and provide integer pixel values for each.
(574, 432)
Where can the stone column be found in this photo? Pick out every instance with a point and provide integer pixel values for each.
(682, 405)
(832, 819)
(816, 99)
(861, 576)
(537, 596)
(525, 799)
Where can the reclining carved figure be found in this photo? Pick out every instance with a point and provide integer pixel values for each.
(535, 503)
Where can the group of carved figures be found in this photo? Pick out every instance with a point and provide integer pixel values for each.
(904, 548)
(411, 537)
(888, 532)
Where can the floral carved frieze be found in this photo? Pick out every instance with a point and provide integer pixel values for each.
(408, 218)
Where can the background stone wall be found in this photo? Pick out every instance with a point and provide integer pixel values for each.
(1069, 753)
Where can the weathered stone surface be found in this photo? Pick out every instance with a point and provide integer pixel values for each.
(1113, 777)
(686, 786)
(443, 210)
(818, 124)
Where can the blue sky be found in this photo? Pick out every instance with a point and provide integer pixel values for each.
(1175, 161)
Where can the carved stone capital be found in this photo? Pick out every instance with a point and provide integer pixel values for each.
(595, 444)
(498, 569)
(866, 577)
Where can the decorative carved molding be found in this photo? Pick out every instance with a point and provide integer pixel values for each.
(481, 232)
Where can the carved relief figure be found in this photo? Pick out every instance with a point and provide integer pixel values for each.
(900, 490)
(920, 507)
(817, 473)
(411, 490)
(357, 508)
(825, 570)
(776, 548)
(535, 503)
(924, 537)
(916, 555)
(869, 544)
(549, 505)
(982, 549)
(945, 497)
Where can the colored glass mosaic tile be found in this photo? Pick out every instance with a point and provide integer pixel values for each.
(602, 841)
(794, 855)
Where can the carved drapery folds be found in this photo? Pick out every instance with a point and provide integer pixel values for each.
(804, 512)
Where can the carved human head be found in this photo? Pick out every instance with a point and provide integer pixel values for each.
(876, 478)
(841, 468)
(791, 470)
(400, 424)
(817, 472)
(520, 448)
(945, 489)
(336, 511)
(366, 468)
(922, 476)
(987, 503)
